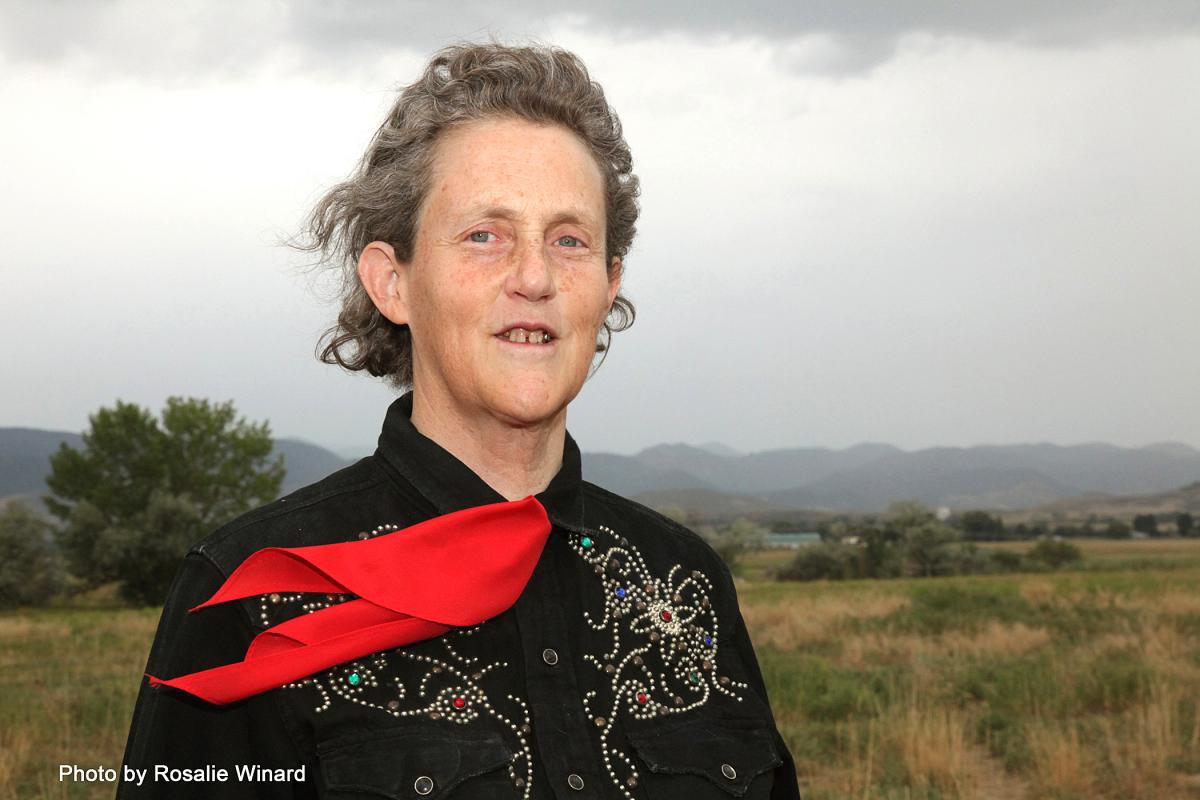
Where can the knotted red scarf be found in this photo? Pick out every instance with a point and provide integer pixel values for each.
(456, 569)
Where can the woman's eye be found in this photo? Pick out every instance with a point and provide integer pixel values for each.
(474, 237)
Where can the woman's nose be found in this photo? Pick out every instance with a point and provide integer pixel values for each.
(532, 275)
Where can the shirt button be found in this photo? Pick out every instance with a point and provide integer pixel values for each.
(574, 781)
(549, 656)
(728, 771)
(423, 785)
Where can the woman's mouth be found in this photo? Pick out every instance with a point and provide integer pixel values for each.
(521, 336)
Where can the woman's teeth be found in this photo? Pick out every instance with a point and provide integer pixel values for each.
(530, 337)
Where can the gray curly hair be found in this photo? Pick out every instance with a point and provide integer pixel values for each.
(383, 198)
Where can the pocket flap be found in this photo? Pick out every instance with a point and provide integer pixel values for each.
(729, 751)
(424, 762)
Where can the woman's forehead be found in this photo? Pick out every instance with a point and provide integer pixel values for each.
(511, 168)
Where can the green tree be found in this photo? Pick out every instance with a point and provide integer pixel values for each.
(1146, 523)
(929, 544)
(978, 525)
(881, 552)
(1116, 529)
(30, 568)
(139, 493)
(933, 548)
(907, 514)
(1184, 523)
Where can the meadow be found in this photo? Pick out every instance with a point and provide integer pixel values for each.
(1074, 684)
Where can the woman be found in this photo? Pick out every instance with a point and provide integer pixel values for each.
(465, 615)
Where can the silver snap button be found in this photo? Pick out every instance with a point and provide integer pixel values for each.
(423, 785)
(549, 656)
(728, 771)
(573, 780)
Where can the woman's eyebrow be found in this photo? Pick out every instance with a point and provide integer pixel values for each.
(572, 215)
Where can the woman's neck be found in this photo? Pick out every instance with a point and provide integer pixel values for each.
(516, 461)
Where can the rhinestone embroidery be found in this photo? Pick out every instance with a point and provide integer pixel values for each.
(449, 688)
(663, 635)
(664, 641)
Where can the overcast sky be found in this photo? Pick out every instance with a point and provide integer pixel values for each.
(920, 223)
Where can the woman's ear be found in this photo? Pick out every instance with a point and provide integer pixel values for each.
(614, 281)
(385, 280)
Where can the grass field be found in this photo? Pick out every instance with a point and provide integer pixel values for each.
(1080, 684)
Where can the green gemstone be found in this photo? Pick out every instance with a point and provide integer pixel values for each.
(694, 677)
(586, 541)
(355, 679)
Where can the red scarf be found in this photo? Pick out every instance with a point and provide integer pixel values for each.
(456, 569)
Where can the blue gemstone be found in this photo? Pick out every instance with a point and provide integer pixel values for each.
(708, 640)
(621, 592)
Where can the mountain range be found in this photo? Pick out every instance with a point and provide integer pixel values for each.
(713, 477)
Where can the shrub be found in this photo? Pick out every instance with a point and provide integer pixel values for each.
(30, 568)
(822, 561)
(1006, 561)
(1055, 554)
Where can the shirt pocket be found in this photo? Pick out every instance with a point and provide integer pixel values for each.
(417, 763)
(705, 756)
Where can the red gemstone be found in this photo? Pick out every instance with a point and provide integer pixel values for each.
(666, 615)
(642, 697)
(459, 702)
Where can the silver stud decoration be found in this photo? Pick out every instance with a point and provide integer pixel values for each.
(450, 687)
(663, 635)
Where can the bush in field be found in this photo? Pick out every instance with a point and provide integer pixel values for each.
(30, 567)
(1006, 561)
(1055, 554)
(825, 561)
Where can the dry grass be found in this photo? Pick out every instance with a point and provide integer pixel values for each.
(68, 679)
(1078, 685)
(859, 651)
(1062, 764)
(804, 619)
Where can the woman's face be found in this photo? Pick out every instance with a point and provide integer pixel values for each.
(512, 232)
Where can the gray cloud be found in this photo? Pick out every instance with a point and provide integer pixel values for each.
(185, 41)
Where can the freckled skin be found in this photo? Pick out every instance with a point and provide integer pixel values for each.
(473, 272)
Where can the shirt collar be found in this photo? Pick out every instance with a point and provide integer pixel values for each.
(450, 485)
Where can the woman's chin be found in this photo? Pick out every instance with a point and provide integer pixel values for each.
(529, 403)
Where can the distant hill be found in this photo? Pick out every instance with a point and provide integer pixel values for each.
(1102, 506)
(25, 458)
(867, 477)
(25, 461)
(704, 479)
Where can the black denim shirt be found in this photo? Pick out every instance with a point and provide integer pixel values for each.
(624, 669)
